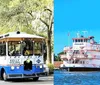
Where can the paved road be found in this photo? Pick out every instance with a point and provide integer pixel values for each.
(42, 81)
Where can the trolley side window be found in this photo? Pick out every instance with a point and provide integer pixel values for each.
(14, 48)
(3, 49)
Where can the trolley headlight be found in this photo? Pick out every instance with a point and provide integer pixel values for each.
(17, 67)
(12, 67)
(41, 66)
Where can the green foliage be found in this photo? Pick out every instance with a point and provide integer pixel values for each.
(51, 67)
(60, 53)
(57, 58)
(20, 15)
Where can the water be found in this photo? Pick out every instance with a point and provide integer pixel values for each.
(76, 78)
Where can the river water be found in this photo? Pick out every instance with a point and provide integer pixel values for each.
(76, 78)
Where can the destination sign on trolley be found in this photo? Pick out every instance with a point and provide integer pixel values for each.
(14, 61)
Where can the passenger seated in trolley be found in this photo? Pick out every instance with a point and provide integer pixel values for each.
(14, 49)
(37, 48)
(27, 47)
(26, 51)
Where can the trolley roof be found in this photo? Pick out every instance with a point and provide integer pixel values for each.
(19, 35)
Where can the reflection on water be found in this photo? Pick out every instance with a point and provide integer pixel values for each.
(76, 78)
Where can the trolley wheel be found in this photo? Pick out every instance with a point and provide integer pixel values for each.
(35, 78)
(4, 76)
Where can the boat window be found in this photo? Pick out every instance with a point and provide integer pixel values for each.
(81, 40)
(76, 61)
(82, 62)
(88, 40)
(85, 40)
(76, 51)
(78, 40)
(14, 48)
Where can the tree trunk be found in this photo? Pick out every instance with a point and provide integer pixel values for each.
(49, 47)
(49, 34)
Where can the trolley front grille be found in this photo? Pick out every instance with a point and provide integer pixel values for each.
(27, 65)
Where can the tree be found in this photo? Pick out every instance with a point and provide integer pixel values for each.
(48, 24)
(31, 16)
(57, 58)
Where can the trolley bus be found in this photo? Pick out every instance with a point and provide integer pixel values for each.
(21, 56)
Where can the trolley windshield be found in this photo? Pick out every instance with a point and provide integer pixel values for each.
(27, 47)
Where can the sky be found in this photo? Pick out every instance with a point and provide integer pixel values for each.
(72, 16)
